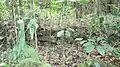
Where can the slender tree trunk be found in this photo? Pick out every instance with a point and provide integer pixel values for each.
(13, 17)
(97, 7)
(20, 7)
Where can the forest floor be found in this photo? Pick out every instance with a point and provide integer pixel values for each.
(63, 54)
(71, 55)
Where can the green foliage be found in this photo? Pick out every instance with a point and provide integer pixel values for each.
(100, 50)
(32, 26)
(109, 21)
(56, 5)
(61, 8)
(103, 25)
(21, 44)
(95, 63)
(83, 65)
(93, 24)
(46, 65)
(84, 1)
(60, 33)
(22, 54)
(115, 9)
(98, 43)
(89, 47)
(117, 52)
(67, 34)
(4, 13)
(26, 56)
(31, 58)
(4, 65)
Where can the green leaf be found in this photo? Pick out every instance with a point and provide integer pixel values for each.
(89, 62)
(7, 65)
(87, 44)
(60, 1)
(21, 25)
(103, 42)
(1, 37)
(47, 65)
(81, 65)
(32, 26)
(91, 40)
(84, 1)
(100, 39)
(117, 52)
(67, 34)
(100, 50)
(70, 30)
(89, 48)
(2, 64)
(96, 64)
(21, 34)
(82, 42)
(73, 0)
(60, 33)
(1, 5)
(108, 47)
(78, 39)
(111, 65)
(33, 22)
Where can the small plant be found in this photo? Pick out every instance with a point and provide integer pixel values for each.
(95, 63)
(90, 63)
(98, 43)
(117, 52)
(67, 34)
(22, 54)
(32, 58)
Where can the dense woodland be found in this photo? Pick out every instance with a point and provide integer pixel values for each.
(59, 33)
